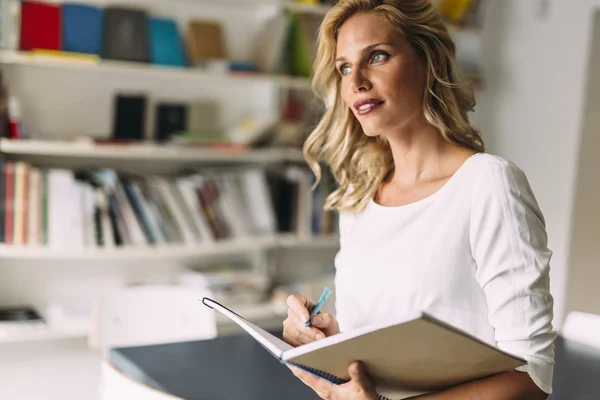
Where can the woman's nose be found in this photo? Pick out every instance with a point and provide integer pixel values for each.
(360, 82)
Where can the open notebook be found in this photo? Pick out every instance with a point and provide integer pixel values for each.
(417, 355)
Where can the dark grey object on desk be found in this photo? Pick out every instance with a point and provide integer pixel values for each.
(577, 372)
(232, 367)
(238, 368)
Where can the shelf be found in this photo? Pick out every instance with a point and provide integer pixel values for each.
(149, 157)
(266, 315)
(291, 5)
(309, 242)
(175, 253)
(42, 333)
(87, 63)
(145, 152)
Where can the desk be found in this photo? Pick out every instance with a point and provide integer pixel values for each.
(237, 368)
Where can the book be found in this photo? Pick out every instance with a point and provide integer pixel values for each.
(129, 117)
(166, 46)
(82, 28)
(171, 119)
(125, 35)
(2, 199)
(40, 26)
(205, 41)
(415, 355)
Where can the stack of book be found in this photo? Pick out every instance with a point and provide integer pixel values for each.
(59, 208)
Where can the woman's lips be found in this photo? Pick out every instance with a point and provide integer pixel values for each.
(364, 107)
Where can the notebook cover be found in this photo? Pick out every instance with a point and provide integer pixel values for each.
(170, 119)
(129, 117)
(82, 28)
(40, 26)
(422, 354)
(165, 43)
(125, 35)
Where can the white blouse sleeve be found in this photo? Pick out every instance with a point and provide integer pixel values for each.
(509, 245)
(343, 301)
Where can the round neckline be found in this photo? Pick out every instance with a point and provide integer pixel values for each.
(429, 198)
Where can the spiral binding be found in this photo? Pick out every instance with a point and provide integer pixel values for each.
(329, 377)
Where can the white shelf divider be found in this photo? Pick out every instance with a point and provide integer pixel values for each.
(267, 315)
(144, 152)
(180, 253)
(84, 63)
(41, 333)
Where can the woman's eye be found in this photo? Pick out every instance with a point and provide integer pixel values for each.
(379, 57)
(344, 69)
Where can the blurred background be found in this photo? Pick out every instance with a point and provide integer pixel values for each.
(150, 154)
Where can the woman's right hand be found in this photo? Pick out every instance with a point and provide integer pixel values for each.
(294, 331)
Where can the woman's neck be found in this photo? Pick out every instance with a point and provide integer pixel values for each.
(418, 152)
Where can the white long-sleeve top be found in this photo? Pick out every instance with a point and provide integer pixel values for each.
(474, 254)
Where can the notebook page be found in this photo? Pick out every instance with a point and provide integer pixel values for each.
(272, 343)
(343, 336)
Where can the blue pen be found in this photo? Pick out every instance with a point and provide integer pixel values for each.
(324, 296)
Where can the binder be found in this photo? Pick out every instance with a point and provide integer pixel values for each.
(82, 28)
(415, 355)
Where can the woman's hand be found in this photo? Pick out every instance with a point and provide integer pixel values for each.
(294, 331)
(358, 388)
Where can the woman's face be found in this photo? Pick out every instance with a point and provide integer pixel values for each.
(382, 76)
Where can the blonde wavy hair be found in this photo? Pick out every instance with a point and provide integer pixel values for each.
(356, 160)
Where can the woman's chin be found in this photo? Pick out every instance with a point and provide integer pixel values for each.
(371, 131)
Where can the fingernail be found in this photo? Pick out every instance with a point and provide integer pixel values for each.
(320, 336)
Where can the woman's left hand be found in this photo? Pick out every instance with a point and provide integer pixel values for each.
(358, 388)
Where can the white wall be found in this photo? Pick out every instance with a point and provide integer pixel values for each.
(536, 69)
(584, 274)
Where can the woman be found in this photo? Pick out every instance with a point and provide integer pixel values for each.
(427, 220)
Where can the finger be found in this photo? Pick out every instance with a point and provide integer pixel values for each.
(305, 335)
(322, 387)
(357, 373)
(322, 320)
(300, 305)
